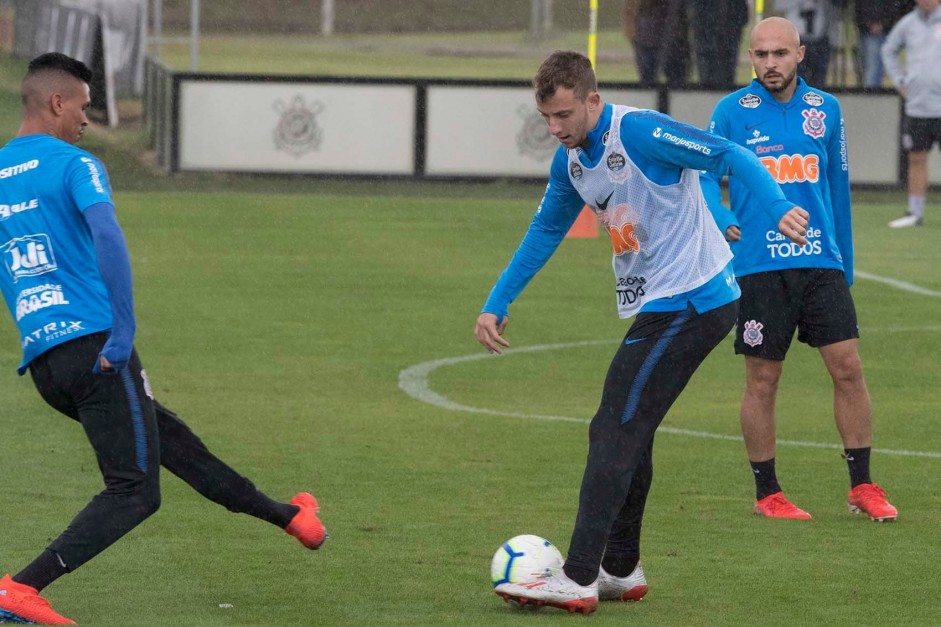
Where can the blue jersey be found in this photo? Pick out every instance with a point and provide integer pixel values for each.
(802, 143)
(50, 282)
(662, 149)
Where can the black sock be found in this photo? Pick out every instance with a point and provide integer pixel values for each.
(858, 461)
(620, 565)
(581, 576)
(42, 571)
(766, 481)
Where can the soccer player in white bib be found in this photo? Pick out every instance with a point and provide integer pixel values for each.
(639, 172)
(798, 134)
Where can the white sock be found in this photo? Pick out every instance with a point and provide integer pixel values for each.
(916, 206)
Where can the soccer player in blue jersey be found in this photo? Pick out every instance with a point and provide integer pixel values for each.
(639, 171)
(67, 283)
(797, 132)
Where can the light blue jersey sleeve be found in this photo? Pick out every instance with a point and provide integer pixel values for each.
(87, 180)
(839, 178)
(667, 141)
(710, 183)
(558, 210)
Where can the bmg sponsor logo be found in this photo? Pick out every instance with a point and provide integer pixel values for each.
(30, 255)
(793, 168)
(623, 239)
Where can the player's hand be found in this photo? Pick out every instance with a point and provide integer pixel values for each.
(114, 356)
(733, 234)
(794, 225)
(489, 333)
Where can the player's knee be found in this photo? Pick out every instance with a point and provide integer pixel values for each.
(142, 494)
(763, 383)
(848, 370)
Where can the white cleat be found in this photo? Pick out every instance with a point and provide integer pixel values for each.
(906, 221)
(554, 589)
(630, 588)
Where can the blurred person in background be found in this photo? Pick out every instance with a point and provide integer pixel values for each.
(797, 133)
(717, 29)
(874, 20)
(659, 32)
(918, 81)
(817, 23)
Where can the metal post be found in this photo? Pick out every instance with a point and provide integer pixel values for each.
(327, 17)
(158, 28)
(194, 35)
(546, 17)
(535, 13)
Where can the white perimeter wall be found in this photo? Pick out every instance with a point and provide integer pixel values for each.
(470, 130)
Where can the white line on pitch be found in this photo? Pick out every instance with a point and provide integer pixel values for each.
(414, 382)
(902, 285)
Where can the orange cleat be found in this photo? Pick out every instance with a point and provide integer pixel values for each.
(20, 603)
(777, 506)
(869, 498)
(306, 526)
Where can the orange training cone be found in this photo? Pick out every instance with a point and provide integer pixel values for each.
(586, 224)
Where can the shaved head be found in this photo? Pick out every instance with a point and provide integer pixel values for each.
(776, 27)
(775, 52)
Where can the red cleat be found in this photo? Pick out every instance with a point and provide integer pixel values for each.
(869, 498)
(20, 603)
(630, 588)
(777, 506)
(306, 526)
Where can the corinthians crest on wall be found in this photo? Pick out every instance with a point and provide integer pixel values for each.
(534, 139)
(297, 131)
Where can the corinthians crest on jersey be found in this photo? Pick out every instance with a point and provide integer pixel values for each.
(814, 125)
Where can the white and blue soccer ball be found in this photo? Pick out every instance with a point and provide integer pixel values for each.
(524, 559)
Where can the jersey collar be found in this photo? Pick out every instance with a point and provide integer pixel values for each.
(802, 87)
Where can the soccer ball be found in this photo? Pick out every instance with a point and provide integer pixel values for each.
(523, 559)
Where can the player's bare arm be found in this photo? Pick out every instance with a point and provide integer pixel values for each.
(490, 334)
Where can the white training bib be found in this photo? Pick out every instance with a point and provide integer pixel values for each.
(665, 240)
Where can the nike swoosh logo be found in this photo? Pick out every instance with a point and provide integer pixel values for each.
(634, 340)
(749, 127)
(603, 205)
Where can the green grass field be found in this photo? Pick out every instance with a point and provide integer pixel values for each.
(278, 325)
(276, 315)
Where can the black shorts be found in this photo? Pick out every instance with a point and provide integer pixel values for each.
(921, 133)
(815, 302)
